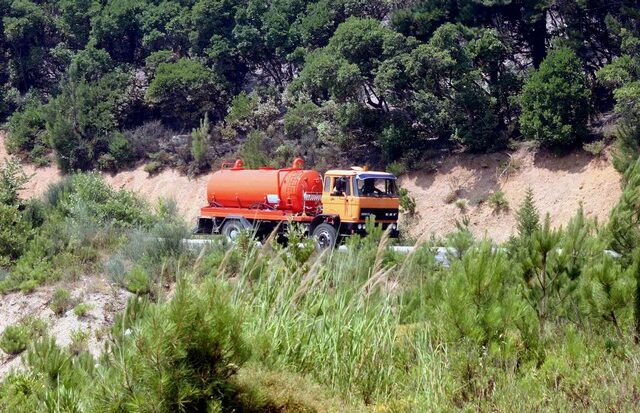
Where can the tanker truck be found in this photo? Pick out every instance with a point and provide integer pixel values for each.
(266, 199)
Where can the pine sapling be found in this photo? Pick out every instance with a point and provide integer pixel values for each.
(527, 216)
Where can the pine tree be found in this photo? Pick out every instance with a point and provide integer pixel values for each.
(539, 258)
(199, 138)
(627, 147)
(624, 220)
(606, 290)
(527, 216)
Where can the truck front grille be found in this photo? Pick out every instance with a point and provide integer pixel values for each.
(381, 214)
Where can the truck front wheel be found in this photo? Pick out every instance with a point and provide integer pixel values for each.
(325, 236)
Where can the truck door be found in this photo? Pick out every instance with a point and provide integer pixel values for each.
(337, 195)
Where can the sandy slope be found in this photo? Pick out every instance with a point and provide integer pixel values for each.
(190, 194)
(106, 301)
(560, 184)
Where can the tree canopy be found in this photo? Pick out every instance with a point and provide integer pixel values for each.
(385, 81)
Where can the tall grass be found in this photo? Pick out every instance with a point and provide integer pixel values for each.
(379, 331)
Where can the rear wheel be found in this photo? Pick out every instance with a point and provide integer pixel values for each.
(325, 236)
(231, 229)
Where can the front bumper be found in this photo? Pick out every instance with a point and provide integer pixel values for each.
(358, 228)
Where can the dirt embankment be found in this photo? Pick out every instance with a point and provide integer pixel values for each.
(105, 300)
(190, 194)
(559, 184)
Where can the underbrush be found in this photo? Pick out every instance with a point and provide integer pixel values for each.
(67, 233)
(548, 321)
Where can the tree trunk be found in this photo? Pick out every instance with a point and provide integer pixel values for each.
(538, 40)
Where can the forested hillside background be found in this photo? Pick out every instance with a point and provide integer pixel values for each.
(102, 84)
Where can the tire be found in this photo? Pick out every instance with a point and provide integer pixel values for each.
(325, 236)
(231, 229)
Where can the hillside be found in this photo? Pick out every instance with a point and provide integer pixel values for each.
(560, 185)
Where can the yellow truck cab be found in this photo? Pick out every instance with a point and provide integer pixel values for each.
(356, 194)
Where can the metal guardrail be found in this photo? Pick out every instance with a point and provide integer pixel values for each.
(442, 254)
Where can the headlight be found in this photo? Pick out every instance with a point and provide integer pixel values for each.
(393, 227)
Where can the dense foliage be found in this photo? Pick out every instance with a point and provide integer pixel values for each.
(106, 83)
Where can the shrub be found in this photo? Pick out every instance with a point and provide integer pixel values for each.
(14, 234)
(12, 179)
(199, 143)
(527, 216)
(397, 168)
(15, 339)
(28, 286)
(82, 309)
(26, 129)
(61, 301)
(462, 205)
(627, 146)
(607, 292)
(153, 167)
(185, 354)
(82, 115)
(407, 202)
(120, 149)
(555, 101)
(595, 148)
(79, 341)
(138, 281)
(39, 155)
(481, 304)
(89, 197)
(253, 152)
(185, 90)
(498, 202)
(106, 162)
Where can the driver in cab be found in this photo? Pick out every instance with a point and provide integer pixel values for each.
(369, 188)
(340, 186)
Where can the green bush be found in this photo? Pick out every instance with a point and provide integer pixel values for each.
(185, 358)
(79, 341)
(185, 90)
(14, 234)
(397, 168)
(12, 179)
(120, 149)
(89, 196)
(481, 304)
(15, 339)
(555, 101)
(153, 167)
(253, 152)
(82, 309)
(138, 281)
(199, 143)
(61, 301)
(407, 202)
(26, 129)
(498, 201)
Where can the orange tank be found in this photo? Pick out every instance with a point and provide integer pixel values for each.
(291, 189)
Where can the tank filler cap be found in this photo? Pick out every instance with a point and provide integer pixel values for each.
(239, 164)
(298, 163)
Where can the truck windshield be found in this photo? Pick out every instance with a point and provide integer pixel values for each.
(376, 187)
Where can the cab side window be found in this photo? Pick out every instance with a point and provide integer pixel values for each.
(341, 186)
(327, 184)
(347, 189)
